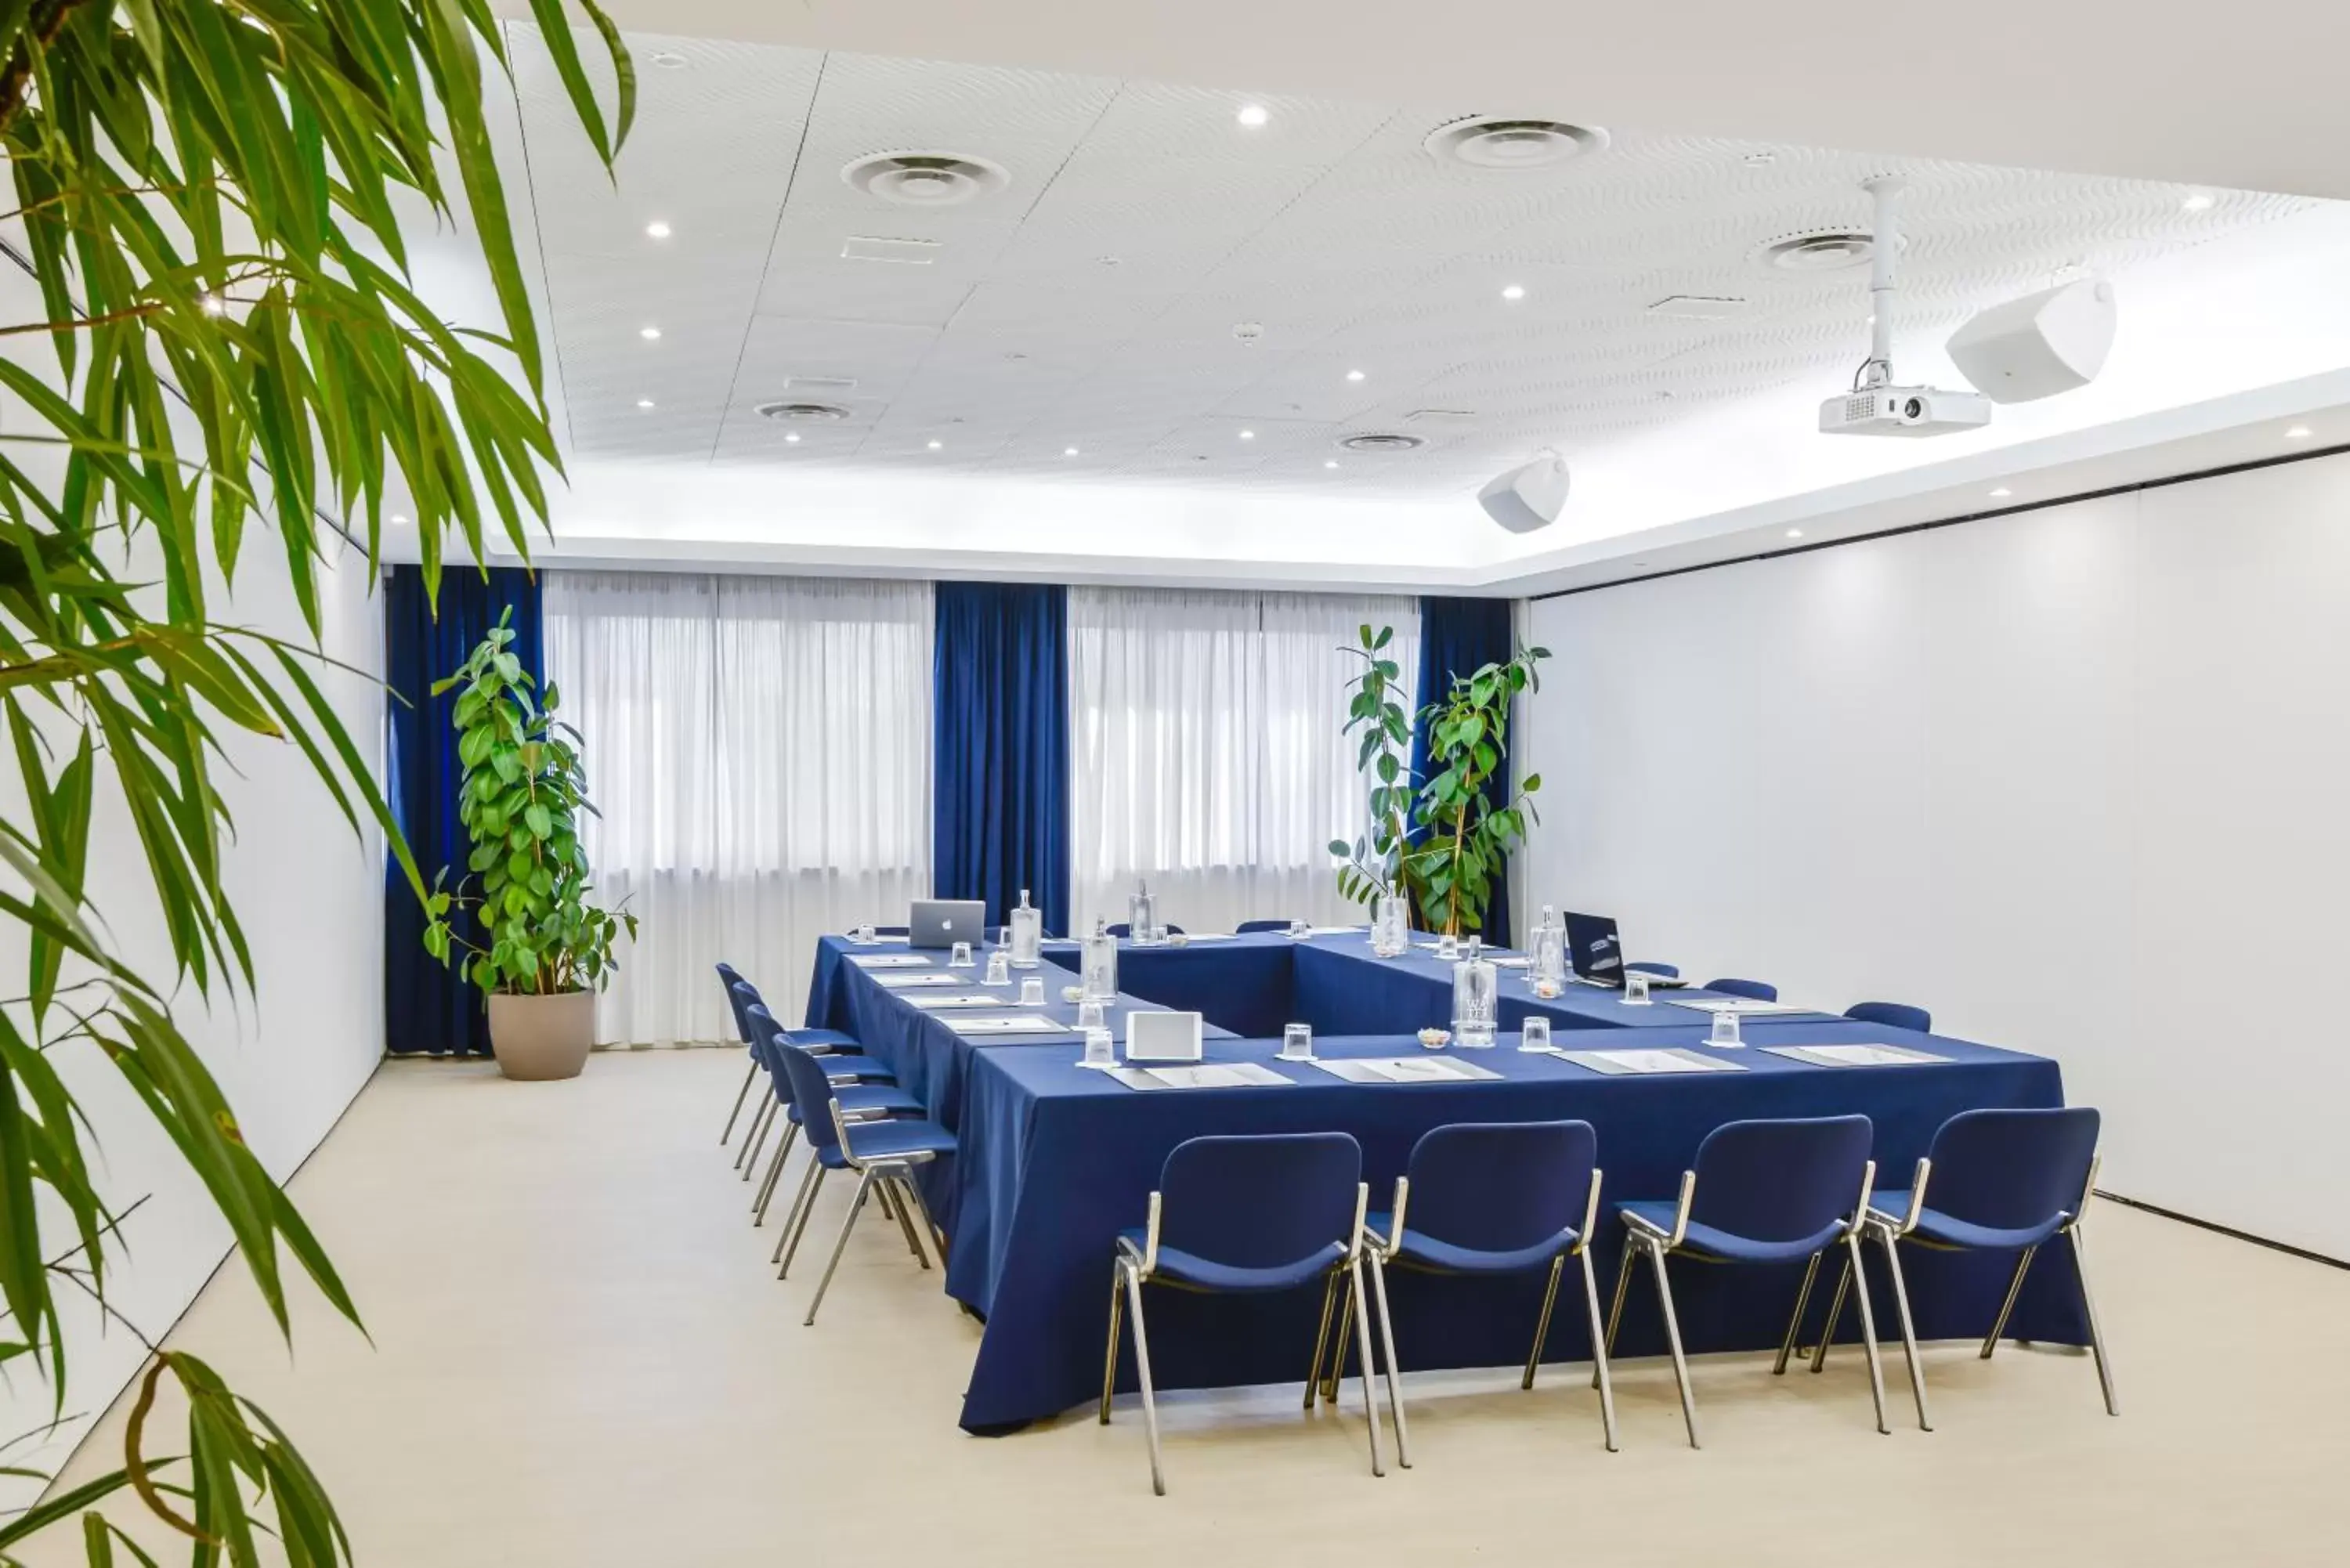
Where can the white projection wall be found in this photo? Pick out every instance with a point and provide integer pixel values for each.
(2078, 780)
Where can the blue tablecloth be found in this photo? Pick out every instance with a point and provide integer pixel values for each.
(1055, 1160)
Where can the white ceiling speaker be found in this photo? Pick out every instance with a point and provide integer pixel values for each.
(925, 179)
(2041, 345)
(1528, 498)
(1494, 141)
(1384, 441)
(803, 413)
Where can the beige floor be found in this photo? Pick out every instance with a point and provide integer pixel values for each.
(580, 1358)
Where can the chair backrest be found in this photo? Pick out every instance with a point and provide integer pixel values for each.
(743, 996)
(1123, 930)
(1892, 1014)
(810, 1090)
(1754, 989)
(1781, 1181)
(1499, 1186)
(1260, 1201)
(1245, 927)
(729, 977)
(761, 1031)
(1669, 971)
(2011, 1170)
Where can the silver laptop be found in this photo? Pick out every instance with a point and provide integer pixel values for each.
(942, 922)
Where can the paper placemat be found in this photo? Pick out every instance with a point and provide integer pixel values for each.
(1624, 1063)
(1334, 930)
(889, 961)
(1206, 1076)
(1854, 1055)
(963, 999)
(900, 939)
(1014, 1024)
(1743, 1005)
(914, 981)
(1404, 1069)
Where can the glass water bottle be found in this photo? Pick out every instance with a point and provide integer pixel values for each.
(1142, 914)
(1390, 926)
(1548, 956)
(1476, 998)
(1099, 962)
(1027, 933)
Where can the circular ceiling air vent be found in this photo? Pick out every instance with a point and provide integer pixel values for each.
(803, 413)
(1384, 441)
(1826, 250)
(925, 179)
(1489, 141)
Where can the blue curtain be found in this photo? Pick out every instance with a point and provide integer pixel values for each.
(427, 1007)
(1000, 747)
(1455, 638)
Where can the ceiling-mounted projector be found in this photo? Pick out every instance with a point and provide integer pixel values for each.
(1876, 406)
(1528, 498)
(2041, 345)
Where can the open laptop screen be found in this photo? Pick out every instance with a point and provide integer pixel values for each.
(1594, 949)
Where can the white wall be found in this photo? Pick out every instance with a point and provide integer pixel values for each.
(2078, 780)
(290, 1055)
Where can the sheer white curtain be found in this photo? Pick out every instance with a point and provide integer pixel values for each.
(1206, 752)
(760, 751)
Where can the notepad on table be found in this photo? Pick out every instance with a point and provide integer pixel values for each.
(888, 961)
(1622, 1063)
(1854, 1055)
(1404, 1069)
(915, 981)
(1745, 1007)
(1012, 1024)
(962, 999)
(1205, 1076)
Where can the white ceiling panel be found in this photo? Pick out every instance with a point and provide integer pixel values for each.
(1091, 302)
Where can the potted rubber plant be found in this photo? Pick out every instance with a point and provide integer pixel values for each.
(1459, 835)
(545, 948)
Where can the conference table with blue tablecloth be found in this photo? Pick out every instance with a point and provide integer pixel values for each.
(1055, 1159)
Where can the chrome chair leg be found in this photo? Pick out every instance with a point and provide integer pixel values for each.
(1835, 1316)
(1395, 1372)
(1362, 1347)
(1868, 1328)
(908, 1185)
(759, 1130)
(807, 1211)
(904, 1215)
(1616, 1306)
(1322, 1338)
(1142, 1373)
(750, 1076)
(1673, 1340)
(1908, 1328)
(1599, 1351)
(1109, 1357)
(2015, 1289)
(882, 1199)
(809, 1177)
(2089, 1306)
(1795, 1324)
(1338, 1347)
(775, 1172)
(1541, 1323)
(839, 1245)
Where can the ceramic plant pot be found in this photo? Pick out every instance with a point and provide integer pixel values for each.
(538, 1037)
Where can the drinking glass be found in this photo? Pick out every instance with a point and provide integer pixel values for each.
(1089, 1014)
(1725, 1030)
(864, 933)
(1636, 988)
(1533, 1035)
(1032, 991)
(1448, 947)
(1298, 1043)
(959, 956)
(1101, 1048)
(999, 969)
(1299, 928)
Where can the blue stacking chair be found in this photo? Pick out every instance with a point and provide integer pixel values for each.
(843, 1061)
(1892, 1014)
(1754, 990)
(858, 1102)
(1489, 1199)
(2008, 1181)
(1760, 1192)
(1245, 927)
(1122, 931)
(826, 1038)
(884, 1154)
(1668, 970)
(1256, 1214)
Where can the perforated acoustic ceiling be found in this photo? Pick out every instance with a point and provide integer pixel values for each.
(1091, 303)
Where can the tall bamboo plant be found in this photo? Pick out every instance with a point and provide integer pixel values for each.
(228, 345)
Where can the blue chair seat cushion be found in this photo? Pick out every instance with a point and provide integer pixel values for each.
(855, 1070)
(887, 1098)
(1936, 1229)
(886, 1140)
(1424, 1253)
(1708, 1245)
(822, 1040)
(1189, 1271)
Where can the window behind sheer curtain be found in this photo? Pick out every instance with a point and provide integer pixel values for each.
(1205, 749)
(759, 750)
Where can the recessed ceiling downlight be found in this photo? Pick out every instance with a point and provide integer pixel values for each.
(1826, 250)
(1492, 142)
(1384, 441)
(925, 179)
(803, 413)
